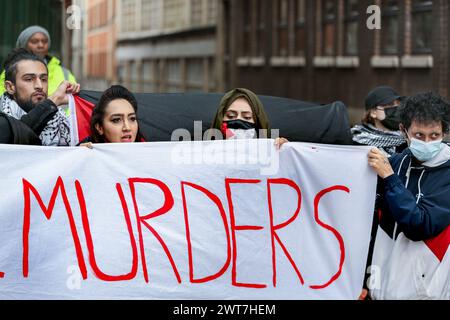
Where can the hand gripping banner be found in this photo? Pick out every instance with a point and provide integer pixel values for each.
(190, 220)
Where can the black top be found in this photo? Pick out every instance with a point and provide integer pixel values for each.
(26, 131)
(5, 129)
(160, 114)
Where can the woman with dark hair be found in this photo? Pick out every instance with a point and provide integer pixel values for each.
(114, 118)
(241, 115)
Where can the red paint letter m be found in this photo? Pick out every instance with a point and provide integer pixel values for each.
(28, 188)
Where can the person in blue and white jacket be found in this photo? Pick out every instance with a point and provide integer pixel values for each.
(411, 259)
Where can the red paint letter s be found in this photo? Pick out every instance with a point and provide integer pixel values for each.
(334, 231)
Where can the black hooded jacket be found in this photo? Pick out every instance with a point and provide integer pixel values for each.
(26, 131)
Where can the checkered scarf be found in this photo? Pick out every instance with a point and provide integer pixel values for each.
(55, 133)
(367, 134)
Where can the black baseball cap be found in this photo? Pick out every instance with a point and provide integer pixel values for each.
(381, 96)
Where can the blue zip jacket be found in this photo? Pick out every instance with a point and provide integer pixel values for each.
(417, 197)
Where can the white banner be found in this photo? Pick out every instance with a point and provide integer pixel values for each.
(193, 220)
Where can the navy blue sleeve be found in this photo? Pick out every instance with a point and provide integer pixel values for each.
(420, 221)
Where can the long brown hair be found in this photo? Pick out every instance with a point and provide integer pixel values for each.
(368, 119)
(259, 115)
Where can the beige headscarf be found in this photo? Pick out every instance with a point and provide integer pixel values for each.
(259, 115)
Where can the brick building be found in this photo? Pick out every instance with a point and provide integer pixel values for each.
(168, 46)
(100, 43)
(322, 50)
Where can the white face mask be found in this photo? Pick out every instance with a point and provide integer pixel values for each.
(425, 151)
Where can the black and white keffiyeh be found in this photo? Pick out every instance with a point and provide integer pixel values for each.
(369, 135)
(55, 133)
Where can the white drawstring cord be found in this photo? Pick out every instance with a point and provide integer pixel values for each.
(419, 195)
(401, 164)
(407, 181)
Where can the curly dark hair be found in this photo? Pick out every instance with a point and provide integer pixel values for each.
(98, 114)
(425, 108)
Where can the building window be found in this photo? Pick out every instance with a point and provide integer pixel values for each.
(194, 75)
(212, 12)
(300, 27)
(212, 77)
(134, 77)
(390, 27)
(148, 80)
(247, 29)
(351, 27)
(90, 64)
(196, 12)
(174, 14)
(91, 18)
(121, 75)
(422, 26)
(103, 58)
(151, 14)
(282, 27)
(173, 76)
(103, 8)
(128, 16)
(328, 27)
(260, 29)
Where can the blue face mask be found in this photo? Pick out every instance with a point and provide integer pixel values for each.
(425, 151)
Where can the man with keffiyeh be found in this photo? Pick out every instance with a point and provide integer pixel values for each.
(26, 84)
(37, 40)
